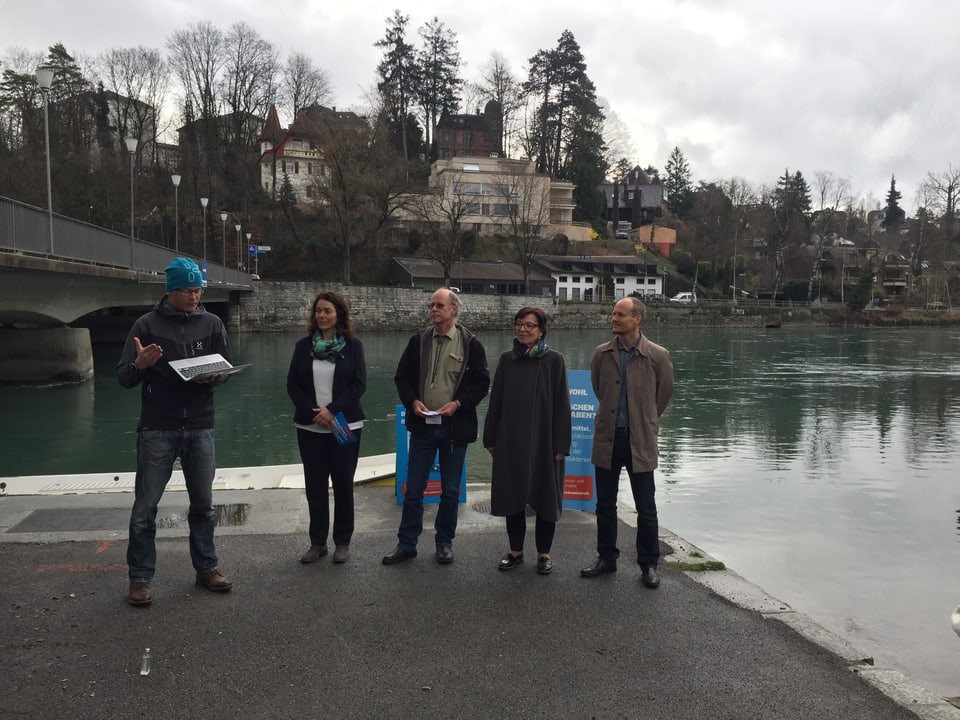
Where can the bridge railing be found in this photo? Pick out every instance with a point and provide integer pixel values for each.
(25, 228)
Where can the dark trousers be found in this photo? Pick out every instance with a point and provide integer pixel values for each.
(326, 462)
(517, 530)
(644, 496)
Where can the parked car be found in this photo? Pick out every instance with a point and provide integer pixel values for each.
(684, 297)
(654, 298)
(622, 235)
(936, 305)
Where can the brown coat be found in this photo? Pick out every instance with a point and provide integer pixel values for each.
(650, 387)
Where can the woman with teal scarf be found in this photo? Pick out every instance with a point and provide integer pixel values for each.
(527, 430)
(327, 376)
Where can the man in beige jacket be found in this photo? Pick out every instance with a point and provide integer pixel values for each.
(633, 381)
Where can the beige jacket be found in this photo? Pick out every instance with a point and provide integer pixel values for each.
(650, 387)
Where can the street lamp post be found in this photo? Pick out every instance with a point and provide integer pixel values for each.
(203, 203)
(249, 235)
(45, 81)
(176, 212)
(239, 265)
(132, 149)
(223, 248)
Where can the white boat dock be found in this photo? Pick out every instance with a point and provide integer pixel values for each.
(266, 477)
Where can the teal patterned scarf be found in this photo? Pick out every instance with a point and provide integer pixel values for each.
(522, 351)
(328, 350)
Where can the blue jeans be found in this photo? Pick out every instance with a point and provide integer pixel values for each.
(644, 496)
(156, 452)
(424, 448)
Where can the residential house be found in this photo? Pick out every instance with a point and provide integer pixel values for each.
(469, 276)
(590, 278)
(649, 192)
(297, 152)
(493, 195)
(468, 135)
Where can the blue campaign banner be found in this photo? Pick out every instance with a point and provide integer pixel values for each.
(432, 493)
(579, 485)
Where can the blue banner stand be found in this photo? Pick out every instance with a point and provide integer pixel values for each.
(432, 493)
(579, 482)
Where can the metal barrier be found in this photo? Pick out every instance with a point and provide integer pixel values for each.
(24, 228)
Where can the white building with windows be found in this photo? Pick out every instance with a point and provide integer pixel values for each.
(592, 278)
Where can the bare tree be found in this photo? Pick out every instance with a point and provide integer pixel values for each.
(499, 84)
(943, 189)
(524, 206)
(198, 57)
(441, 211)
(249, 80)
(137, 80)
(830, 194)
(303, 84)
(616, 138)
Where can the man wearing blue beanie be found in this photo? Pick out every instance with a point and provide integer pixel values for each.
(176, 420)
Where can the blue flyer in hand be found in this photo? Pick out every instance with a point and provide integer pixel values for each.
(341, 431)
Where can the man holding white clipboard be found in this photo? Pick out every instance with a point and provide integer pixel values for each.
(176, 420)
(441, 378)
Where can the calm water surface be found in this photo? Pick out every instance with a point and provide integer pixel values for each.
(820, 464)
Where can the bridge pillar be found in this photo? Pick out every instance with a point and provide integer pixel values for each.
(45, 355)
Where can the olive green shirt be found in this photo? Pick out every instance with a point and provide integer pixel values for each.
(446, 362)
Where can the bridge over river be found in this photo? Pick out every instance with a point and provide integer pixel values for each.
(57, 278)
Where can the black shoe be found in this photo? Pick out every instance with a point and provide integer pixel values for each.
(444, 554)
(508, 561)
(600, 567)
(398, 554)
(544, 565)
(650, 578)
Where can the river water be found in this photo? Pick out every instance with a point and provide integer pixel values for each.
(821, 464)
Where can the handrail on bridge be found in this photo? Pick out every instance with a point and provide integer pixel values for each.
(24, 229)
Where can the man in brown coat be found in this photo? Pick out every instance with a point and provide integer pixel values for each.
(633, 381)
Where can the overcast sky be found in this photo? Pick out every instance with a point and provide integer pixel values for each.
(862, 89)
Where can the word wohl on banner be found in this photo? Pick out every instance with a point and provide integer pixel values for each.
(579, 487)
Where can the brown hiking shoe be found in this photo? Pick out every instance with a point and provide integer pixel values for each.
(214, 581)
(139, 594)
(341, 554)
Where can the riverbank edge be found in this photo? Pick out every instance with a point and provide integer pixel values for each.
(283, 306)
(282, 511)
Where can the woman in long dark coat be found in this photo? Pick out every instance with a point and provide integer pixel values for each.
(527, 430)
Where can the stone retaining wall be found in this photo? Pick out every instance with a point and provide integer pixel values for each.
(282, 306)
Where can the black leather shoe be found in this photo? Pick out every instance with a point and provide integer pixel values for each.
(650, 578)
(600, 567)
(508, 561)
(444, 554)
(544, 565)
(398, 554)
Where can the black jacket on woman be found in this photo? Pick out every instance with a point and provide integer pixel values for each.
(349, 382)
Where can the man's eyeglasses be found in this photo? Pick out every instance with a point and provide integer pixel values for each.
(438, 305)
(190, 291)
(525, 325)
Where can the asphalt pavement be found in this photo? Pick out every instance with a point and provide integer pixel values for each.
(414, 640)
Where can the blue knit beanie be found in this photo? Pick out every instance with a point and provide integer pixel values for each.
(182, 273)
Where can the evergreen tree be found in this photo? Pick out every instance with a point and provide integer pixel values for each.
(439, 67)
(893, 216)
(679, 184)
(399, 75)
(567, 112)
